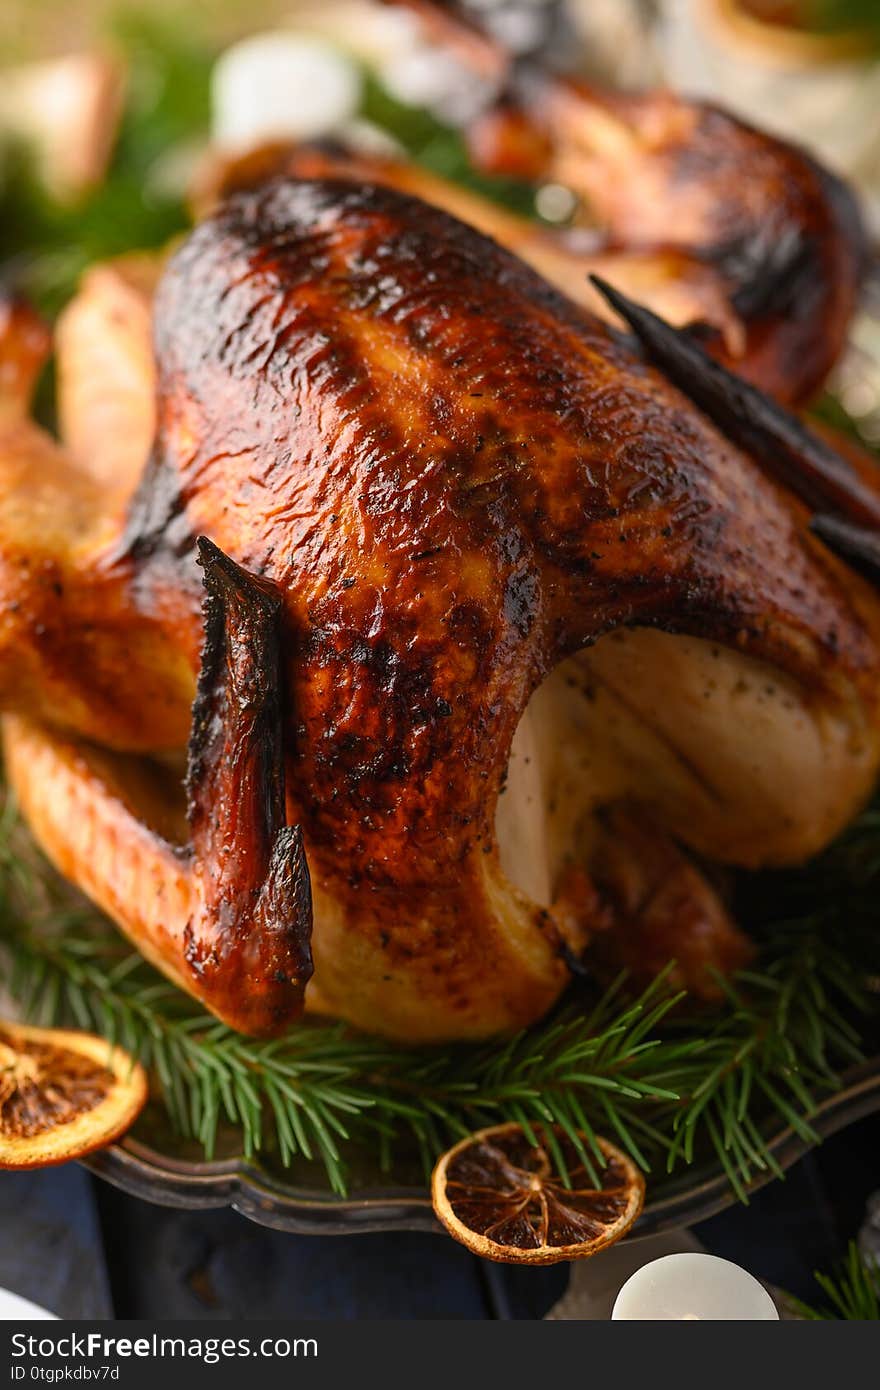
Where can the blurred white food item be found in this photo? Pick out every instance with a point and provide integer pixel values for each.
(617, 41)
(435, 79)
(820, 91)
(421, 76)
(519, 27)
(408, 63)
(281, 86)
(67, 110)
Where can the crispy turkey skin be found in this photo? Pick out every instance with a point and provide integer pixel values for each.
(452, 479)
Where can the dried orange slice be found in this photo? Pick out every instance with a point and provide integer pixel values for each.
(62, 1094)
(506, 1200)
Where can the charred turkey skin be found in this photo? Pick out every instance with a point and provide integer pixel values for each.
(452, 479)
(456, 479)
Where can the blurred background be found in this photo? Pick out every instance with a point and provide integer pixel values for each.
(110, 109)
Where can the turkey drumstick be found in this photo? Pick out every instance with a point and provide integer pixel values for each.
(228, 915)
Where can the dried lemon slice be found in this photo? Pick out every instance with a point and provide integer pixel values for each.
(505, 1199)
(62, 1094)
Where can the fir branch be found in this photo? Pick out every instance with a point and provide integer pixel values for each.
(662, 1082)
(322, 1085)
(852, 1292)
(773, 1050)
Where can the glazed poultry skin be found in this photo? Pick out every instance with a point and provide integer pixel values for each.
(712, 223)
(444, 482)
(699, 213)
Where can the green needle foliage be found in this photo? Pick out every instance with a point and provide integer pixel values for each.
(440, 148)
(45, 245)
(673, 1084)
(836, 16)
(852, 1292)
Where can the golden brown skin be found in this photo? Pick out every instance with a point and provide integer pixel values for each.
(764, 259)
(665, 176)
(107, 376)
(68, 635)
(782, 235)
(452, 479)
(675, 285)
(231, 904)
(227, 915)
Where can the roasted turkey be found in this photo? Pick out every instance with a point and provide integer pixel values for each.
(478, 628)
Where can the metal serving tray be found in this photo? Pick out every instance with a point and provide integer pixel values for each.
(155, 1166)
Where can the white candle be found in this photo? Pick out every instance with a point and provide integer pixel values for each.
(693, 1288)
(282, 86)
(14, 1308)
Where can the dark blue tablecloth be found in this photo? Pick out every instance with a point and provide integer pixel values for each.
(86, 1251)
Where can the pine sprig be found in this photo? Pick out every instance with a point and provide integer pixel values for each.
(323, 1085)
(852, 1292)
(669, 1085)
(773, 1049)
